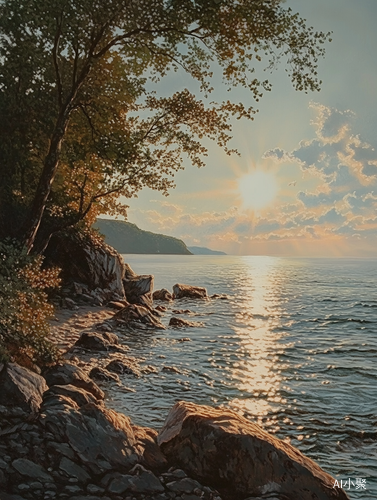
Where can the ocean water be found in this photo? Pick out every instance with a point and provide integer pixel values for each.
(293, 348)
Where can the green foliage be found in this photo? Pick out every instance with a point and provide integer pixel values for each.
(81, 124)
(24, 327)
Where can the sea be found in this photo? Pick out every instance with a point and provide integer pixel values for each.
(291, 344)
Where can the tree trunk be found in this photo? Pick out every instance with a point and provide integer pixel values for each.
(45, 181)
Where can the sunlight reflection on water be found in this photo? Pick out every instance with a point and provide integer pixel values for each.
(293, 348)
(259, 310)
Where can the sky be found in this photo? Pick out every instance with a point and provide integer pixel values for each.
(305, 183)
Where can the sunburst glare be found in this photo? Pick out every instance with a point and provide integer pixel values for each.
(257, 189)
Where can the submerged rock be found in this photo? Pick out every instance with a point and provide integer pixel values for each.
(181, 323)
(99, 373)
(21, 387)
(188, 291)
(225, 450)
(122, 367)
(136, 314)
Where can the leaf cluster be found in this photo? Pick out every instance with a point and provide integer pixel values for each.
(25, 311)
(75, 87)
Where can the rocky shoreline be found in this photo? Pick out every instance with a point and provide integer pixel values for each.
(58, 440)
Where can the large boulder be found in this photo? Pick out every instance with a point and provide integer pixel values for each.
(102, 438)
(187, 291)
(138, 289)
(87, 260)
(237, 456)
(21, 387)
(65, 373)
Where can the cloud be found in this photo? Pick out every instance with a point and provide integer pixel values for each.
(337, 199)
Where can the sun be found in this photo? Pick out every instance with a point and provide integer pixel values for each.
(257, 189)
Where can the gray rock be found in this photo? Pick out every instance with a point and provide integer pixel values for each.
(61, 449)
(6, 496)
(21, 387)
(87, 260)
(23, 487)
(79, 396)
(101, 437)
(136, 287)
(86, 497)
(146, 482)
(224, 449)
(187, 291)
(93, 489)
(30, 469)
(65, 373)
(74, 470)
(185, 485)
(73, 489)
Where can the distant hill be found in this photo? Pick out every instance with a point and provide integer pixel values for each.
(204, 251)
(128, 238)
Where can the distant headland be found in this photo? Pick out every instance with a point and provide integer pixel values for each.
(126, 237)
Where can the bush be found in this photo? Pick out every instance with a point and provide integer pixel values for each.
(24, 327)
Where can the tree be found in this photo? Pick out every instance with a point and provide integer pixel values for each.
(80, 124)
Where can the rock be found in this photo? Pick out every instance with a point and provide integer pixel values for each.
(93, 489)
(30, 469)
(105, 341)
(76, 394)
(21, 387)
(146, 482)
(117, 305)
(171, 369)
(69, 303)
(60, 449)
(224, 449)
(135, 315)
(100, 373)
(181, 311)
(152, 458)
(160, 309)
(101, 437)
(6, 496)
(129, 272)
(65, 373)
(74, 470)
(222, 296)
(121, 367)
(85, 258)
(182, 323)
(162, 294)
(138, 289)
(191, 292)
(185, 485)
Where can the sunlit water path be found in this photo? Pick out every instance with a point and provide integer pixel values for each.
(293, 348)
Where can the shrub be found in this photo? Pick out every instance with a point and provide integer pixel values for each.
(24, 309)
